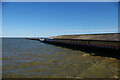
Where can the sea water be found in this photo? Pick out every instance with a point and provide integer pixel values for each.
(24, 58)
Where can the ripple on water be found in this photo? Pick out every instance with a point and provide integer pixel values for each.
(24, 58)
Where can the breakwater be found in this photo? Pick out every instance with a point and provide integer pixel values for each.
(108, 41)
(105, 44)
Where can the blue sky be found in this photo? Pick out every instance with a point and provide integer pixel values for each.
(44, 19)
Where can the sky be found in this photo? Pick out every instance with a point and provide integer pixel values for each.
(45, 19)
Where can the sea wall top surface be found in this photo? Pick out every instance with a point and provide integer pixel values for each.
(107, 36)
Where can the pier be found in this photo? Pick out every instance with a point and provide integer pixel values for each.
(110, 41)
(100, 44)
(106, 45)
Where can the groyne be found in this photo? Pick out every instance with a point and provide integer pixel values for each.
(100, 44)
(108, 40)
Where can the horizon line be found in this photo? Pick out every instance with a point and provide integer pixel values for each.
(56, 35)
(59, 1)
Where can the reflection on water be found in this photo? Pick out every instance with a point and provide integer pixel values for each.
(23, 58)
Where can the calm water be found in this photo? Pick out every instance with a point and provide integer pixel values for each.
(23, 58)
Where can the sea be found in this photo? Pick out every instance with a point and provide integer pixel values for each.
(24, 58)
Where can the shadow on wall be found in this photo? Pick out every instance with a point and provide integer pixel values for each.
(104, 52)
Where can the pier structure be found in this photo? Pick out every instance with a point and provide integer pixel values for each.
(108, 41)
